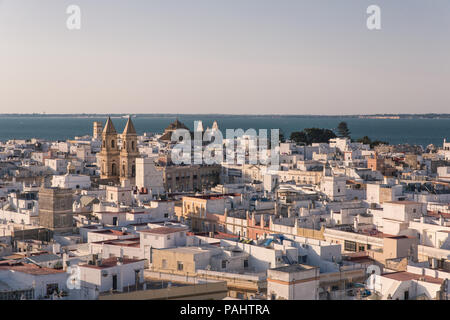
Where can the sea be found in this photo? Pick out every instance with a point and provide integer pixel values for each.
(412, 131)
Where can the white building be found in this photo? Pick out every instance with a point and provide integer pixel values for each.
(334, 187)
(163, 237)
(148, 177)
(443, 173)
(114, 274)
(293, 282)
(71, 181)
(31, 281)
(57, 166)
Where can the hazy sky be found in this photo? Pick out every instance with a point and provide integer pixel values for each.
(227, 56)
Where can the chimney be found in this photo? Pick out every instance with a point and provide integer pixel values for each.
(355, 224)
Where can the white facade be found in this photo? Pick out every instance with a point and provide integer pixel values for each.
(112, 274)
(294, 282)
(163, 237)
(58, 166)
(443, 173)
(334, 187)
(147, 176)
(71, 181)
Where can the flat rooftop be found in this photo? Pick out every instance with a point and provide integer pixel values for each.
(191, 250)
(164, 230)
(405, 276)
(294, 268)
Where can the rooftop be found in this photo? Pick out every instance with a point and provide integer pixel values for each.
(163, 230)
(294, 268)
(405, 276)
(110, 262)
(31, 269)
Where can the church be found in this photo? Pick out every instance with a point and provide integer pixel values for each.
(118, 163)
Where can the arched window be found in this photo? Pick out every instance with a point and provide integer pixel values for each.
(133, 170)
(132, 145)
(113, 143)
(104, 143)
(113, 169)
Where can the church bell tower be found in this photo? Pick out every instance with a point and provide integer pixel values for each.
(109, 154)
(129, 153)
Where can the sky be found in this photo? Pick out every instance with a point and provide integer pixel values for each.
(227, 56)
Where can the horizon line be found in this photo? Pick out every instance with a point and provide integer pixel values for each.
(225, 114)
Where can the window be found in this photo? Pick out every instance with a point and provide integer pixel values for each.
(245, 263)
(224, 264)
(179, 266)
(164, 264)
(113, 143)
(349, 246)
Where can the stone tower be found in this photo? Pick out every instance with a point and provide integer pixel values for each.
(97, 130)
(128, 153)
(109, 154)
(55, 209)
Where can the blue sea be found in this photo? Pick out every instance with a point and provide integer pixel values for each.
(395, 131)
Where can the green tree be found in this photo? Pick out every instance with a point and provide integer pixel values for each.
(316, 135)
(312, 135)
(343, 130)
(365, 140)
(377, 142)
(299, 137)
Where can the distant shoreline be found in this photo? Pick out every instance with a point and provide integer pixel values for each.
(171, 115)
